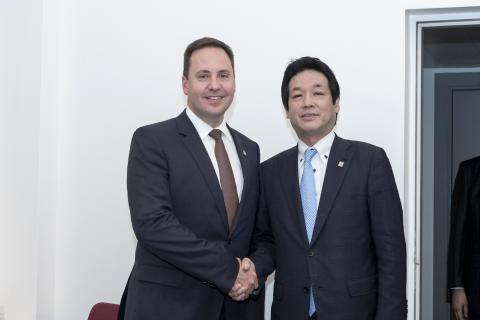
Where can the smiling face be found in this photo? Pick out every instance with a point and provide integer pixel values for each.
(311, 110)
(210, 85)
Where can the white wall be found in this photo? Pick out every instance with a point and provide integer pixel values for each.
(20, 48)
(81, 75)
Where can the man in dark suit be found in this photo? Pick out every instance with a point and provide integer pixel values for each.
(330, 222)
(193, 185)
(464, 246)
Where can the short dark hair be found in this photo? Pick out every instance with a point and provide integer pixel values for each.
(308, 63)
(201, 43)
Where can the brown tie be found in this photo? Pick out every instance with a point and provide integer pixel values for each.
(227, 180)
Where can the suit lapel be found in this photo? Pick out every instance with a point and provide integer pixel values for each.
(291, 188)
(197, 150)
(245, 162)
(337, 167)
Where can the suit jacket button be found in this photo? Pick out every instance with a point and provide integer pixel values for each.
(311, 254)
(229, 241)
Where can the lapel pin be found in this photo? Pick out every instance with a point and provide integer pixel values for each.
(340, 164)
(244, 153)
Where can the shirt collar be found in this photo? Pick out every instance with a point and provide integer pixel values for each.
(204, 128)
(323, 146)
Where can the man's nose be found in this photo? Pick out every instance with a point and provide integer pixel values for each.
(214, 83)
(308, 100)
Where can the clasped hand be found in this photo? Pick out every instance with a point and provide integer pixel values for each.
(246, 280)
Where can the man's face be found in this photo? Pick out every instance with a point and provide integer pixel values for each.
(311, 110)
(210, 85)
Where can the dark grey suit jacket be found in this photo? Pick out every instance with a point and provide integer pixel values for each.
(356, 262)
(185, 258)
(464, 246)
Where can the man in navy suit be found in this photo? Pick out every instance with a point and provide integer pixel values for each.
(464, 246)
(193, 185)
(330, 223)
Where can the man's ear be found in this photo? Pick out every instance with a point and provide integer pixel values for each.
(185, 85)
(337, 105)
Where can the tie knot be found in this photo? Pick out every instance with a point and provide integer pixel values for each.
(309, 154)
(216, 134)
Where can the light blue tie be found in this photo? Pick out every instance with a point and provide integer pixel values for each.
(309, 204)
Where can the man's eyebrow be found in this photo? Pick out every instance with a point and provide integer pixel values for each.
(317, 85)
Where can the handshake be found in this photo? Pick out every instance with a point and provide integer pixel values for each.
(246, 280)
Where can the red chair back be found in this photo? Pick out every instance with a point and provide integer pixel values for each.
(104, 311)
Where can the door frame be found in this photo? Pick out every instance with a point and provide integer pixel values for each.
(416, 20)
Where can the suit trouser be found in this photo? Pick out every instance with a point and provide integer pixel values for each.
(473, 314)
(473, 297)
(222, 314)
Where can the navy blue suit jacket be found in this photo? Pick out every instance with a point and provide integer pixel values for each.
(356, 262)
(464, 244)
(185, 258)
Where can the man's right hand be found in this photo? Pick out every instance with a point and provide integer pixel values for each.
(459, 304)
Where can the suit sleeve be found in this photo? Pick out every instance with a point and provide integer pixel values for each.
(157, 228)
(458, 224)
(386, 220)
(263, 246)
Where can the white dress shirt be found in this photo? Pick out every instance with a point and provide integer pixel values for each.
(319, 161)
(203, 129)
